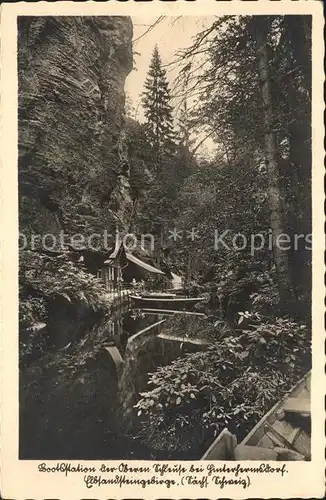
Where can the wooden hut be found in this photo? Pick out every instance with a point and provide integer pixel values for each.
(122, 265)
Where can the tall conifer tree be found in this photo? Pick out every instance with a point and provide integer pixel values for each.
(157, 109)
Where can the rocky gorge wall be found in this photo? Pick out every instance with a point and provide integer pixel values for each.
(73, 168)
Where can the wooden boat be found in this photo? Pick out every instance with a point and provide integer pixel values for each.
(171, 312)
(158, 295)
(284, 433)
(177, 291)
(161, 302)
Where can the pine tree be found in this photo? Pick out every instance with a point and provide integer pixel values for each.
(157, 109)
(184, 125)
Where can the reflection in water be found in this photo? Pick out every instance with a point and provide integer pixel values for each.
(73, 403)
(148, 350)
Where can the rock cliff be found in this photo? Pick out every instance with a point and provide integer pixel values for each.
(73, 168)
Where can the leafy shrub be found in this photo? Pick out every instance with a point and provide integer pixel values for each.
(58, 277)
(267, 296)
(156, 282)
(194, 289)
(31, 310)
(197, 327)
(242, 283)
(233, 383)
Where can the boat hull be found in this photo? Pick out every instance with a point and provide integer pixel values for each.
(276, 436)
(165, 303)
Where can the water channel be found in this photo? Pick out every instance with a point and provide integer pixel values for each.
(76, 401)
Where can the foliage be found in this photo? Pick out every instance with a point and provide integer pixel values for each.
(140, 157)
(266, 298)
(231, 384)
(32, 310)
(218, 197)
(157, 107)
(247, 287)
(58, 277)
(198, 327)
(224, 74)
(239, 377)
(156, 282)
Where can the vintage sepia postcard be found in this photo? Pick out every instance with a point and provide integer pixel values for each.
(162, 291)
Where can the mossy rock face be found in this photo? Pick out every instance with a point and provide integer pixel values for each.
(72, 72)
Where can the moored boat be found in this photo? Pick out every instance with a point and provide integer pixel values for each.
(161, 301)
(177, 291)
(171, 312)
(158, 295)
(284, 433)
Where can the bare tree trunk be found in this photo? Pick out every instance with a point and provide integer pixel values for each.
(274, 184)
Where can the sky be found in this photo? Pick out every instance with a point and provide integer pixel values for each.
(171, 34)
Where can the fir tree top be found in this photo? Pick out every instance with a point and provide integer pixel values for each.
(157, 108)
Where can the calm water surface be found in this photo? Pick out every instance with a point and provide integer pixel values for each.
(72, 399)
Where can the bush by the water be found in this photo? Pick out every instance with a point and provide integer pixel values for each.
(31, 311)
(231, 384)
(43, 278)
(201, 327)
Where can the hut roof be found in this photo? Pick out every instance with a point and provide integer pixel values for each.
(134, 259)
(143, 264)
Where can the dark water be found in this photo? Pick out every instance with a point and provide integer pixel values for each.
(75, 400)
